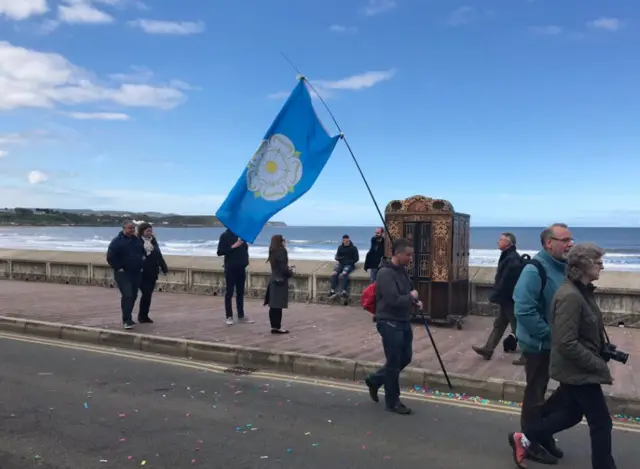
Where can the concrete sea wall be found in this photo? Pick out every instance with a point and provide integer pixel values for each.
(618, 292)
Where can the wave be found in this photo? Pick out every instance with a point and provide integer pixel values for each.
(319, 250)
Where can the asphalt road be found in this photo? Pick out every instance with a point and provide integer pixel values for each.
(71, 408)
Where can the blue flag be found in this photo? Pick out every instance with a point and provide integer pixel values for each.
(287, 164)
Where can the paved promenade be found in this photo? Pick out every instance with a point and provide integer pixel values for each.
(334, 331)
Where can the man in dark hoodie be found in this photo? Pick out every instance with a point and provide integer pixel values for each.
(347, 256)
(126, 256)
(395, 301)
(509, 258)
(236, 260)
(375, 254)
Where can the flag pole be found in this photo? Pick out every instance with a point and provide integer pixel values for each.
(375, 203)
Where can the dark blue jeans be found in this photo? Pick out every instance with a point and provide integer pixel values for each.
(397, 341)
(341, 274)
(128, 284)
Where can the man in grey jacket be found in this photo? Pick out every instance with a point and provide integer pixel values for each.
(395, 300)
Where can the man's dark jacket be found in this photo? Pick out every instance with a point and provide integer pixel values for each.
(393, 293)
(347, 255)
(234, 258)
(126, 253)
(374, 256)
(509, 258)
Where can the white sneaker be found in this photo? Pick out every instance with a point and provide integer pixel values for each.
(230, 322)
(245, 320)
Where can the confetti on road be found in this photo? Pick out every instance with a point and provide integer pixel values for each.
(289, 450)
(86, 406)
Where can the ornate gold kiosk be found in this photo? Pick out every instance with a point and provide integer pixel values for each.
(440, 266)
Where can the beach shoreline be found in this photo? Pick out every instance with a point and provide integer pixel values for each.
(311, 243)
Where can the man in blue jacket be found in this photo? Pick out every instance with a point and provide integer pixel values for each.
(126, 256)
(532, 306)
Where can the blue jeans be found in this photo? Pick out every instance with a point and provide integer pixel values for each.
(341, 274)
(373, 273)
(397, 341)
(128, 284)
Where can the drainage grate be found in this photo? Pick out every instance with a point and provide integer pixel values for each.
(240, 370)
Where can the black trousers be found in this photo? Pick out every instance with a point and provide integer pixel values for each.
(397, 341)
(577, 401)
(275, 317)
(128, 284)
(147, 286)
(536, 369)
(234, 279)
(505, 318)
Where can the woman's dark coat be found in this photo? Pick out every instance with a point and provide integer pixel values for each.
(278, 289)
(153, 263)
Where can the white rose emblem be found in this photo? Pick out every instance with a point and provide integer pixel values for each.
(274, 169)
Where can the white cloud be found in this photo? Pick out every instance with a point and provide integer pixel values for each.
(22, 9)
(606, 24)
(461, 16)
(327, 88)
(15, 138)
(340, 28)
(376, 7)
(36, 177)
(52, 195)
(3, 153)
(357, 82)
(83, 11)
(32, 79)
(108, 116)
(181, 28)
(549, 30)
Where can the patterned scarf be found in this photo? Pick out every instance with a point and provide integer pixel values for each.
(148, 244)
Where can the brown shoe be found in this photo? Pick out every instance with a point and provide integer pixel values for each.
(519, 361)
(483, 352)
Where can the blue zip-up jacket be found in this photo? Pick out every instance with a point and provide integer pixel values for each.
(126, 253)
(532, 309)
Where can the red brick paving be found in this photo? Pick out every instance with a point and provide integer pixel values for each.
(318, 329)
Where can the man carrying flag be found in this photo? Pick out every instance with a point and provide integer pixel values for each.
(286, 165)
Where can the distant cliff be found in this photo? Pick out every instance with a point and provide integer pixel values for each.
(55, 217)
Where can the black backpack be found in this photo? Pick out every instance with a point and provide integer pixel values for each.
(513, 274)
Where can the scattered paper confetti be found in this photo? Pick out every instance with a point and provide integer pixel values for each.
(289, 450)
(104, 460)
(143, 463)
(315, 445)
(264, 457)
(86, 406)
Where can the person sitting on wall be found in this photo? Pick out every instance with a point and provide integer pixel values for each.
(347, 256)
(153, 263)
(375, 254)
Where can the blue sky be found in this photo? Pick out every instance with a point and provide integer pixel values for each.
(520, 112)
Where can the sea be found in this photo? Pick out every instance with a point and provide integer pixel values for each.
(316, 242)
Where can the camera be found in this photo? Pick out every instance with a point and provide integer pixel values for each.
(611, 352)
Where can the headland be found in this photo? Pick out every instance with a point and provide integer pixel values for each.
(55, 217)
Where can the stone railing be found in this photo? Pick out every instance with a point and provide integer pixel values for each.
(618, 292)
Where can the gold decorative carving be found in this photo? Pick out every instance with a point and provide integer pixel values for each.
(441, 230)
(419, 204)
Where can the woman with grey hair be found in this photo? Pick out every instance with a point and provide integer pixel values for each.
(577, 342)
